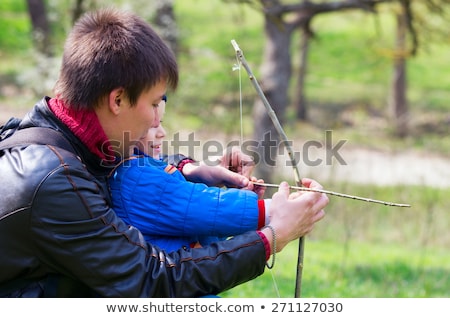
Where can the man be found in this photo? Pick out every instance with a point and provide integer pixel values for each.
(59, 236)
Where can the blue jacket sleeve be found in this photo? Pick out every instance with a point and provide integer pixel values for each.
(159, 203)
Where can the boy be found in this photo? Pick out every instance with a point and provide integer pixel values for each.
(172, 212)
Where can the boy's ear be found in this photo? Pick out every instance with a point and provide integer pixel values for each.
(116, 100)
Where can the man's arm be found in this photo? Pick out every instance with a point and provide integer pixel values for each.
(80, 236)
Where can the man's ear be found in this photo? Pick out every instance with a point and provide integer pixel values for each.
(116, 100)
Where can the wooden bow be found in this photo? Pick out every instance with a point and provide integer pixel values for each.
(287, 144)
(283, 137)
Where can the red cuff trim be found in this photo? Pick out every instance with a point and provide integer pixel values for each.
(261, 214)
(184, 162)
(266, 244)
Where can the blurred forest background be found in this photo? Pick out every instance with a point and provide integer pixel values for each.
(362, 89)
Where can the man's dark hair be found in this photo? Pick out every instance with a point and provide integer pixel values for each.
(108, 49)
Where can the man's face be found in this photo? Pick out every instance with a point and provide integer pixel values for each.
(137, 120)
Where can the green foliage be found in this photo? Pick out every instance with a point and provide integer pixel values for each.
(14, 27)
(359, 249)
(350, 62)
(207, 57)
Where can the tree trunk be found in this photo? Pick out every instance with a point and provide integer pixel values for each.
(301, 107)
(166, 22)
(275, 73)
(399, 104)
(40, 26)
(77, 10)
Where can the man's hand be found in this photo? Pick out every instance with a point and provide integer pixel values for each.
(295, 216)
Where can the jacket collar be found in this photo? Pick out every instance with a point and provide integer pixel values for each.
(42, 116)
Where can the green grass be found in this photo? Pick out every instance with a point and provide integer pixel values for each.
(368, 250)
(358, 269)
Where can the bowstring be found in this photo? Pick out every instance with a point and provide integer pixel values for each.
(237, 67)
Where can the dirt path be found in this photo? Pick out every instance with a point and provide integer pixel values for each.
(366, 166)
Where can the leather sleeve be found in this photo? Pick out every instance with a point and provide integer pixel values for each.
(77, 234)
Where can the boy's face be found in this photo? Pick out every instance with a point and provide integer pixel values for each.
(151, 144)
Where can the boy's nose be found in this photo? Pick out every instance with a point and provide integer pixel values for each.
(156, 118)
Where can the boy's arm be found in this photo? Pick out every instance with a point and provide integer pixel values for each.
(159, 203)
(233, 170)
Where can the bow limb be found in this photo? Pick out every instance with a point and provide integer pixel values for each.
(287, 145)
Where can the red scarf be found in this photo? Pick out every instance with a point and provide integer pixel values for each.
(86, 126)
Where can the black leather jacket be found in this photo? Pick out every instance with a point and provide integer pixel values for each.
(59, 236)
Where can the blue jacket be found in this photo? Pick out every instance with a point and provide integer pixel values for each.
(172, 212)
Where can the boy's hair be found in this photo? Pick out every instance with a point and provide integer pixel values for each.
(108, 49)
